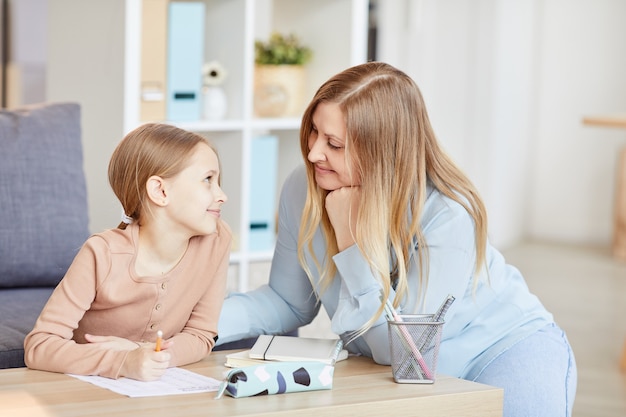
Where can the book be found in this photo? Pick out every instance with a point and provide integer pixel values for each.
(263, 179)
(293, 348)
(289, 349)
(153, 60)
(185, 55)
(241, 359)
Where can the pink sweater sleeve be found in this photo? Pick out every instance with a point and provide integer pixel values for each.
(49, 346)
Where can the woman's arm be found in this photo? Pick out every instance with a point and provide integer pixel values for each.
(449, 233)
(287, 302)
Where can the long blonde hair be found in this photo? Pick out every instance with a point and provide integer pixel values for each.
(150, 149)
(392, 147)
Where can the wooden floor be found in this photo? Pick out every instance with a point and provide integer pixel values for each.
(585, 289)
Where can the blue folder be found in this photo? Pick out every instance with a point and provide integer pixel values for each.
(185, 55)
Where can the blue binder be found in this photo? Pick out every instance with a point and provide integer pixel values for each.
(263, 174)
(184, 60)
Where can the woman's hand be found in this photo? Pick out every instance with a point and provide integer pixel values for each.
(342, 206)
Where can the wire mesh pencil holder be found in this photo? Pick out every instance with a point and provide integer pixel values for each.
(414, 342)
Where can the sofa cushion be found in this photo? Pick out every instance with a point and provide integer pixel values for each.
(43, 197)
(20, 308)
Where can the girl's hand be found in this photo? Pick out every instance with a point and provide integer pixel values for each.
(342, 206)
(119, 343)
(111, 342)
(144, 364)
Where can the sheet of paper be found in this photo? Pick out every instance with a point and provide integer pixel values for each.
(174, 381)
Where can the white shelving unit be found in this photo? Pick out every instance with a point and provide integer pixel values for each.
(336, 30)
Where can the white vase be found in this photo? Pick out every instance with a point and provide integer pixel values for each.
(214, 103)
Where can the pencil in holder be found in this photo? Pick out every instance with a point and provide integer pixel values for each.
(414, 343)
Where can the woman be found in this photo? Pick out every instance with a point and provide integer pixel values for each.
(163, 269)
(380, 209)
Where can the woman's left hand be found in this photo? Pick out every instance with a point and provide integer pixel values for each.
(342, 206)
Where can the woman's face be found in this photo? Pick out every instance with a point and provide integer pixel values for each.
(327, 148)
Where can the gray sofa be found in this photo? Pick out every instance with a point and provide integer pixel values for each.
(43, 214)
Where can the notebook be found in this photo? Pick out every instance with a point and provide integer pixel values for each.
(241, 359)
(289, 349)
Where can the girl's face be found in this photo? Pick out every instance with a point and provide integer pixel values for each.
(327, 146)
(194, 195)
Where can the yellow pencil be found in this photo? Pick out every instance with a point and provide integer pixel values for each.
(157, 348)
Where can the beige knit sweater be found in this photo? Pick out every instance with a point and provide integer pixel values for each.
(101, 295)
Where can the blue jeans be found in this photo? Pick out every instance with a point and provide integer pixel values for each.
(538, 375)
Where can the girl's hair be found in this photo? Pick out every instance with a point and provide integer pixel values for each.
(392, 148)
(150, 149)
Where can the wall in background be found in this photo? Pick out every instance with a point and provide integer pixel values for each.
(507, 84)
(102, 115)
(581, 67)
(26, 52)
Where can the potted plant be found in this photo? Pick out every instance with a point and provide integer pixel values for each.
(279, 75)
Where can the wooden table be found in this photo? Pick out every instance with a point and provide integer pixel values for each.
(360, 388)
(619, 210)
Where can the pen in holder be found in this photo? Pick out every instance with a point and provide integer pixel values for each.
(410, 364)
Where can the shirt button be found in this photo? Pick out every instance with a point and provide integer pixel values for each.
(157, 307)
(163, 285)
(153, 326)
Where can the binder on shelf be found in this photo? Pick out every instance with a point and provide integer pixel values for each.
(185, 55)
(263, 177)
(153, 59)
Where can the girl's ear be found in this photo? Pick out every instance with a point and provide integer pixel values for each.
(155, 188)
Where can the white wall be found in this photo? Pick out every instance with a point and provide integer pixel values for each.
(581, 71)
(507, 83)
(26, 69)
(72, 38)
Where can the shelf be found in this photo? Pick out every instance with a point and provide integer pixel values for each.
(276, 124)
(237, 257)
(80, 31)
(238, 124)
(616, 120)
(211, 126)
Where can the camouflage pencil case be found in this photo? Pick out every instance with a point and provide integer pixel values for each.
(277, 378)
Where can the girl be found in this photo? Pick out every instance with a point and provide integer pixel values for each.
(164, 267)
(380, 211)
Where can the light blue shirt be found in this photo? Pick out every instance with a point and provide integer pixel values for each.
(478, 326)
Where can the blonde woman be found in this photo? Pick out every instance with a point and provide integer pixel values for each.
(379, 208)
(163, 269)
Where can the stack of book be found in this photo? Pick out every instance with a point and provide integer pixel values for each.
(288, 349)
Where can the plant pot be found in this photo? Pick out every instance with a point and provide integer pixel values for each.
(279, 90)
